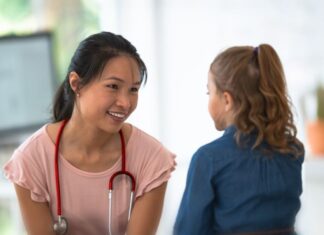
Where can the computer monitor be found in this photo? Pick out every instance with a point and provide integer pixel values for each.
(27, 84)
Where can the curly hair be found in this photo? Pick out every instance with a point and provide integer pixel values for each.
(255, 79)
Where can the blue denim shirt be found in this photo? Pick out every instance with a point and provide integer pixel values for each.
(234, 189)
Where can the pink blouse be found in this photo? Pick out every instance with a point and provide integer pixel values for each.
(84, 195)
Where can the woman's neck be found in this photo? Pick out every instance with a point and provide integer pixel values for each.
(89, 138)
(88, 148)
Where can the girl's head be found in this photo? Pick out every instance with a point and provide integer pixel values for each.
(94, 56)
(251, 88)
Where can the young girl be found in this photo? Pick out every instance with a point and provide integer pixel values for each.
(249, 180)
(62, 173)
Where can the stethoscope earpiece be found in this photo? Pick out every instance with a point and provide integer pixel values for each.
(60, 226)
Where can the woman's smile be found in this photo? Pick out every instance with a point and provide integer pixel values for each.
(117, 116)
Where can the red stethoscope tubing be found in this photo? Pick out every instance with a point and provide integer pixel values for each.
(123, 171)
(57, 176)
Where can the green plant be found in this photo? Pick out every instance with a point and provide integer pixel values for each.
(320, 102)
(15, 10)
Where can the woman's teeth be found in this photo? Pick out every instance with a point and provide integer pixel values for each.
(118, 115)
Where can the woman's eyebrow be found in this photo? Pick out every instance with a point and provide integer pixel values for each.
(113, 78)
(121, 80)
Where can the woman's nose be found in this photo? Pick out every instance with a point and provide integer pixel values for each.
(124, 100)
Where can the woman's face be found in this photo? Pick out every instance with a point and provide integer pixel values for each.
(110, 99)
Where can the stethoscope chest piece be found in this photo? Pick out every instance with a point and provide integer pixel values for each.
(60, 226)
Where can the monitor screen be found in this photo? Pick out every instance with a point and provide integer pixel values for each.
(27, 84)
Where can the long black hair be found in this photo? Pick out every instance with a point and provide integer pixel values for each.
(88, 61)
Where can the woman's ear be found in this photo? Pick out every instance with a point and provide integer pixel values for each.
(74, 81)
(229, 102)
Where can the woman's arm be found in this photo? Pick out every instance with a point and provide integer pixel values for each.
(36, 215)
(146, 212)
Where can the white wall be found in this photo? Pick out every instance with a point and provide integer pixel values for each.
(178, 39)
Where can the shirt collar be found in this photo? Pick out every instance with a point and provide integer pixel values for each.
(230, 130)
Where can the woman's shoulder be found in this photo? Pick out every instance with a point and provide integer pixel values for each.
(33, 151)
(35, 140)
(51, 129)
(143, 138)
(147, 146)
(149, 160)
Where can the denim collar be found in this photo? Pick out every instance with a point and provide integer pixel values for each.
(230, 130)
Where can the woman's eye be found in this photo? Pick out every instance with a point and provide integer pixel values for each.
(134, 89)
(207, 93)
(112, 86)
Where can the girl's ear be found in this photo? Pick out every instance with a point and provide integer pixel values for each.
(74, 81)
(229, 102)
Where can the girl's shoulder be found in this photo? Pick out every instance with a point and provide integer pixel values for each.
(224, 143)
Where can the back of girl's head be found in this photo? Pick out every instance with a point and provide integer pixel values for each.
(88, 62)
(255, 79)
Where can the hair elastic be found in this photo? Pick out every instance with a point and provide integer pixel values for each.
(255, 51)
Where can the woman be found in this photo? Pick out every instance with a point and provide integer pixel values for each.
(89, 134)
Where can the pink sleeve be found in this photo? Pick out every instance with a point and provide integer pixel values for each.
(156, 171)
(26, 172)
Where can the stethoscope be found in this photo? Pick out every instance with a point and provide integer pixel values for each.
(61, 225)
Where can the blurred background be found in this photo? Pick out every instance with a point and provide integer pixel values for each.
(177, 39)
